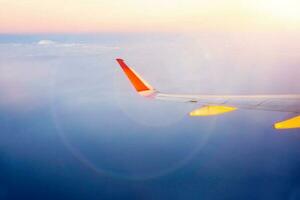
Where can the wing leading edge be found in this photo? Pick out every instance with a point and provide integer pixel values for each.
(219, 104)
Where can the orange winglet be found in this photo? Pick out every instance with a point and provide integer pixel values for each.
(139, 84)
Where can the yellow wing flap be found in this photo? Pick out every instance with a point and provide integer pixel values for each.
(212, 110)
(288, 124)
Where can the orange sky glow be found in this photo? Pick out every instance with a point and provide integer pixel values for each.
(84, 16)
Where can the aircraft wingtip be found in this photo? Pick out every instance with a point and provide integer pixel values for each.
(139, 84)
(119, 60)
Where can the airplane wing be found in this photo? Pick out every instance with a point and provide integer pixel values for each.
(220, 104)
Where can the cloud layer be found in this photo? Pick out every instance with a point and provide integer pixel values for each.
(50, 48)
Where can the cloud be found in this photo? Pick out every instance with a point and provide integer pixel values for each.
(29, 70)
(46, 42)
(50, 48)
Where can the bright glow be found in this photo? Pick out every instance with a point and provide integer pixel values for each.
(280, 9)
(144, 15)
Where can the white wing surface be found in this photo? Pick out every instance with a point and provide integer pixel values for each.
(219, 104)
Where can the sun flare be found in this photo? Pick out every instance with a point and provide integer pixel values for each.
(288, 10)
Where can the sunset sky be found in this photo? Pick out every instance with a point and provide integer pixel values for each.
(72, 126)
(77, 16)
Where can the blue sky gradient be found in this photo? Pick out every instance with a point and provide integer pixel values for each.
(72, 127)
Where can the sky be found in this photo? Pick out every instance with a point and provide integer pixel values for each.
(72, 127)
(78, 16)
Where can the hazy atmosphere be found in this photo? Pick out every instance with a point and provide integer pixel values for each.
(72, 127)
